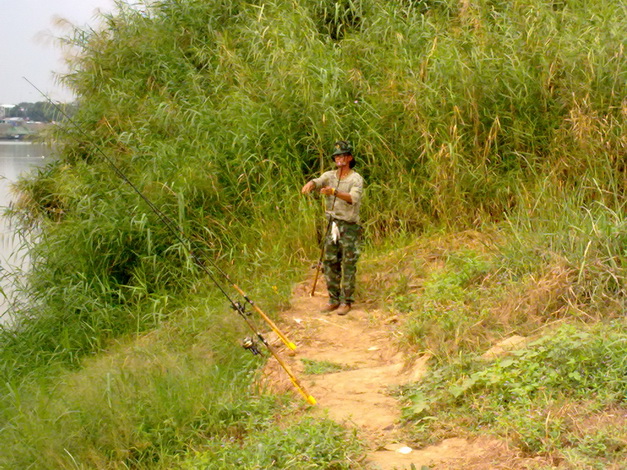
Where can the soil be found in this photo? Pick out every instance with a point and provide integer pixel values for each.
(360, 395)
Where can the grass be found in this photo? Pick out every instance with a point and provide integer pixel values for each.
(304, 444)
(135, 405)
(313, 367)
(561, 397)
(559, 283)
(491, 137)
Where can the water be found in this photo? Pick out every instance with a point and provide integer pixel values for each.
(16, 158)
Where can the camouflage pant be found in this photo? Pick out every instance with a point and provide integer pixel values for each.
(340, 262)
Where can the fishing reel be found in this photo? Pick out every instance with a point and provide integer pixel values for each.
(250, 344)
(241, 309)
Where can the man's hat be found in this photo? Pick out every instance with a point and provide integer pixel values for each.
(342, 147)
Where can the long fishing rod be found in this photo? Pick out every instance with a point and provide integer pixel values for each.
(326, 233)
(255, 307)
(184, 240)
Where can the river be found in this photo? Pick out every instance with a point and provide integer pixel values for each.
(16, 158)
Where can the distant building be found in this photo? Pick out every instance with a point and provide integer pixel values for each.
(14, 121)
(5, 109)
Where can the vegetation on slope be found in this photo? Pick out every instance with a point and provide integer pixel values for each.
(555, 384)
(505, 116)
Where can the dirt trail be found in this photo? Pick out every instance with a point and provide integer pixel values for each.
(359, 396)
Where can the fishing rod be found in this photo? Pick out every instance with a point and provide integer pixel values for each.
(255, 307)
(326, 233)
(184, 240)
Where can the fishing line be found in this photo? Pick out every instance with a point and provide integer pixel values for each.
(179, 234)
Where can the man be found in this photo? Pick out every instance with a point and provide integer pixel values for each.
(343, 189)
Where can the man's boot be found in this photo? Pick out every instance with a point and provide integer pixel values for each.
(330, 307)
(344, 309)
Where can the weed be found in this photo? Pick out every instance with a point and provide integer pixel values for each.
(557, 369)
(306, 444)
(313, 367)
(506, 116)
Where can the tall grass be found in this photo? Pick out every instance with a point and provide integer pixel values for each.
(462, 115)
(148, 401)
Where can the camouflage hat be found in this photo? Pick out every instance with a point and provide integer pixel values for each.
(342, 147)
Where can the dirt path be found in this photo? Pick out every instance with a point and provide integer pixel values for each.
(363, 343)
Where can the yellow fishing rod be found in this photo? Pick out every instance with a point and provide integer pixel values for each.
(261, 313)
(250, 345)
(184, 241)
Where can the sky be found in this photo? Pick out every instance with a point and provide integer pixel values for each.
(28, 48)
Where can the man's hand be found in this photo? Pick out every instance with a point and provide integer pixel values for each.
(329, 191)
(308, 187)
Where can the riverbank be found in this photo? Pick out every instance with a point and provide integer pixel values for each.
(23, 131)
(490, 136)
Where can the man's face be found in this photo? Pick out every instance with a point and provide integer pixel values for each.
(343, 160)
